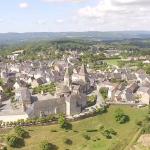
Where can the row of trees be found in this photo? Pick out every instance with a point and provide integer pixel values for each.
(30, 121)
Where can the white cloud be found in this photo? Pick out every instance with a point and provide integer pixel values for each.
(23, 5)
(131, 2)
(61, 1)
(41, 21)
(59, 20)
(1, 20)
(117, 14)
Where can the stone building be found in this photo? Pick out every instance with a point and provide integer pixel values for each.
(143, 95)
(23, 96)
(70, 98)
(0, 100)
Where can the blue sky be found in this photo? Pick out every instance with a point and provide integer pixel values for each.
(73, 15)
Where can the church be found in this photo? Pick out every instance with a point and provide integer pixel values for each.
(70, 97)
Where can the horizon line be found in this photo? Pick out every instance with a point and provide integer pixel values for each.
(75, 31)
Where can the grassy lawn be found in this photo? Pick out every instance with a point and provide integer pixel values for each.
(97, 142)
(112, 61)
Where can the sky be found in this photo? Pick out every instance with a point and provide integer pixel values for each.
(73, 15)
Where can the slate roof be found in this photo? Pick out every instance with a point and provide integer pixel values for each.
(144, 90)
(83, 70)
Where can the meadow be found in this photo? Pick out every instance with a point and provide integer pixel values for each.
(90, 126)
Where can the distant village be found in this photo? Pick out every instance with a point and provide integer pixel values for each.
(39, 88)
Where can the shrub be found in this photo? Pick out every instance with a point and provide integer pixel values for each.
(101, 110)
(120, 116)
(15, 141)
(146, 129)
(91, 100)
(87, 137)
(147, 118)
(43, 120)
(104, 92)
(139, 123)
(68, 141)
(112, 131)
(107, 134)
(45, 145)
(91, 130)
(53, 130)
(64, 123)
(21, 132)
(101, 127)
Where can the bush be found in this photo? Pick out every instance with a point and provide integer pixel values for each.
(101, 127)
(147, 118)
(146, 129)
(64, 123)
(68, 141)
(21, 132)
(121, 117)
(53, 130)
(112, 131)
(91, 130)
(87, 137)
(45, 145)
(101, 110)
(104, 92)
(15, 141)
(107, 134)
(91, 100)
(139, 123)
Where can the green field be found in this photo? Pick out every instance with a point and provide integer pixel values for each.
(112, 61)
(97, 142)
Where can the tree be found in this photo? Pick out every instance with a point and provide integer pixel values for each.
(45, 145)
(64, 123)
(15, 141)
(120, 116)
(91, 100)
(21, 132)
(104, 92)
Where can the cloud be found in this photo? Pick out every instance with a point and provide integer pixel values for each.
(59, 20)
(118, 14)
(115, 6)
(131, 2)
(41, 21)
(1, 20)
(23, 5)
(62, 1)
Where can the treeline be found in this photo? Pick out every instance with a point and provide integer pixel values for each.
(56, 49)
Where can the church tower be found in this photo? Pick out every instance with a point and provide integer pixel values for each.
(67, 78)
(83, 74)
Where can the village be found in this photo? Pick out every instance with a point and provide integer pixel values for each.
(75, 75)
(39, 88)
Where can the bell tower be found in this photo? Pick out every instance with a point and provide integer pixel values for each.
(83, 74)
(67, 78)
